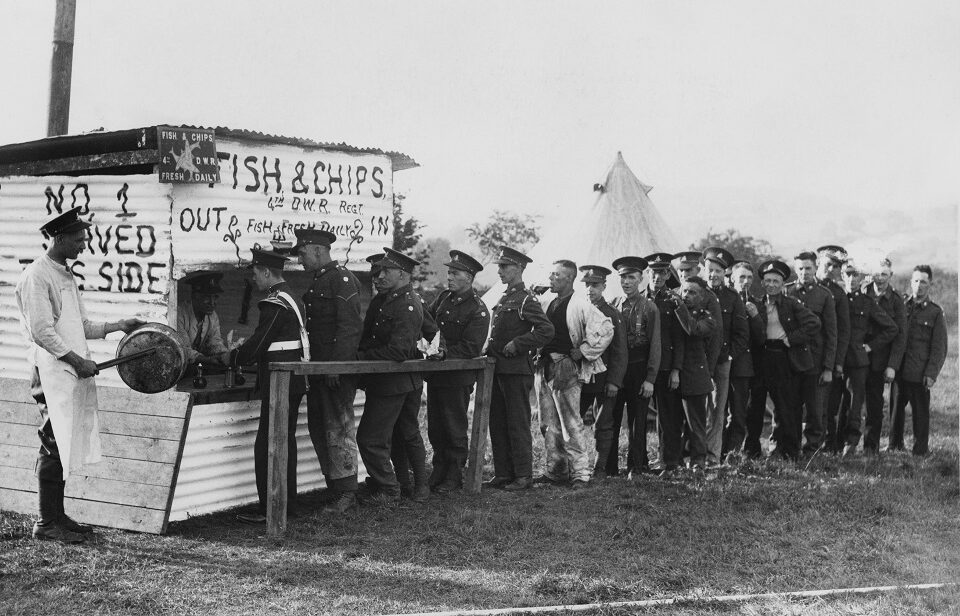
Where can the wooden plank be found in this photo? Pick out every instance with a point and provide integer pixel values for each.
(175, 475)
(170, 403)
(277, 454)
(74, 164)
(16, 390)
(17, 456)
(18, 434)
(91, 512)
(23, 479)
(117, 446)
(379, 367)
(92, 488)
(478, 431)
(20, 413)
(129, 424)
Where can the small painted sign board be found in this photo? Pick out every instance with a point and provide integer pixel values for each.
(187, 155)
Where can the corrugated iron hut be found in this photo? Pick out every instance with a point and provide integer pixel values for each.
(165, 201)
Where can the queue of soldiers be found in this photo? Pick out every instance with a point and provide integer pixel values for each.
(694, 343)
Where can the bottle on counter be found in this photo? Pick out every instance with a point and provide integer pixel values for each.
(199, 381)
(229, 378)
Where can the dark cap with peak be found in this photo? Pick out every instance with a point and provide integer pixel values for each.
(462, 261)
(687, 258)
(305, 237)
(631, 265)
(268, 258)
(394, 259)
(594, 273)
(658, 260)
(509, 256)
(775, 267)
(204, 281)
(67, 222)
(835, 253)
(721, 256)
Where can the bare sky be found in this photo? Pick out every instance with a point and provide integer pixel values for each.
(802, 122)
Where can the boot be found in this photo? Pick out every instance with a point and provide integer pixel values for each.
(49, 526)
(343, 503)
(438, 474)
(68, 522)
(452, 481)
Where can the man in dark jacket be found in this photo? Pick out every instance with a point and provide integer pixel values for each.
(830, 259)
(813, 386)
(601, 398)
(926, 350)
(869, 326)
(666, 389)
(519, 328)
(743, 373)
(391, 329)
(278, 337)
(885, 360)
(333, 322)
(463, 320)
(789, 328)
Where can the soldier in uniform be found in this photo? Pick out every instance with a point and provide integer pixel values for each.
(735, 340)
(519, 327)
(699, 328)
(743, 373)
(391, 329)
(829, 260)
(926, 350)
(463, 320)
(789, 328)
(666, 389)
(813, 386)
(333, 322)
(870, 326)
(641, 324)
(886, 359)
(597, 397)
(279, 336)
(197, 320)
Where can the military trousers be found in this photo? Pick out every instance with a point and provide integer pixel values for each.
(375, 436)
(596, 398)
(735, 429)
(835, 395)
(779, 381)
(638, 407)
(851, 409)
(447, 424)
(918, 397)
(716, 412)
(510, 436)
(873, 422)
(812, 398)
(564, 435)
(407, 451)
(695, 413)
(330, 419)
(669, 421)
(261, 445)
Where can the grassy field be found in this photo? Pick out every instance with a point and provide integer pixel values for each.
(764, 527)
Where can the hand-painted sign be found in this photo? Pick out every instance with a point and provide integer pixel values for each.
(187, 155)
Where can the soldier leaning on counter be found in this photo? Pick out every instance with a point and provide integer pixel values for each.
(463, 320)
(334, 323)
(279, 336)
(519, 327)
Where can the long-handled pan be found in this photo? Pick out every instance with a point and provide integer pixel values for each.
(150, 359)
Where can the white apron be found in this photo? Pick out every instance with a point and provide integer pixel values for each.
(71, 402)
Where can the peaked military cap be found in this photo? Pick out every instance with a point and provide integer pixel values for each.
(67, 222)
(744, 263)
(267, 258)
(629, 265)
(658, 260)
(394, 259)
(374, 261)
(775, 267)
(688, 257)
(509, 256)
(837, 254)
(462, 261)
(204, 281)
(305, 237)
(721, 256)
(595, 273)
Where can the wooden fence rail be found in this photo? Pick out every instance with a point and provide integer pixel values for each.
(280, 374)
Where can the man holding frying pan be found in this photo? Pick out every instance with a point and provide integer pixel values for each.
(54, 321)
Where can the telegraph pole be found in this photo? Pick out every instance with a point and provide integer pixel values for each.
(61, 68)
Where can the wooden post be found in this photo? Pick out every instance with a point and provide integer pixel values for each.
(277, 453)
(478, 432)
(61, 68)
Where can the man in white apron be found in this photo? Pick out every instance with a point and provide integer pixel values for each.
(55, 324)
(280, 336)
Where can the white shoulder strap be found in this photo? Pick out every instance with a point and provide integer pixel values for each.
(304, 339)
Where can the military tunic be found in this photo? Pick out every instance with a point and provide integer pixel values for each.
(883, 357)
(277, 323)
(391, 329)
(699, 328)
(333, 323)
(669, 401)
(463, 320)
(735, 336)
(832, 411)
(518, 318)
(925, 352)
